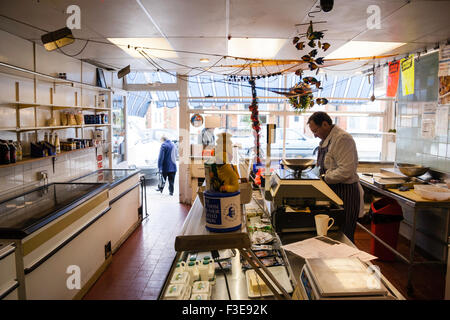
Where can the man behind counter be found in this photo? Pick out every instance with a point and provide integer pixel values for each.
(337, 160)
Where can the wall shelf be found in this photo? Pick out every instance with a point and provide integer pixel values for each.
(31, 159)
(55, 127)
(10, 69)
(24, 105)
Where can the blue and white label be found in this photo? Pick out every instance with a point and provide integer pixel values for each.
(213, 211)
(222, 214)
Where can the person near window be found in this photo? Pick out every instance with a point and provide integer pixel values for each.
(167, 165)
(337, 160)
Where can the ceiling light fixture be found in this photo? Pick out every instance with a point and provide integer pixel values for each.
(354, 49)
(157, 47)
(57, 39)
(258, 48)
(204, 60)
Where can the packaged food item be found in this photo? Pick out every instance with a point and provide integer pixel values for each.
(192, 268)
(181, 266)
(52, 122)
(261, 247)
(257, 284)
(4, 152)
(71, 121)
(201, 287)
(57, 143)
(19, 152)
(175, 292)
(207, 270)
(79, 118)
(199, 296)
(12, 152)
(63, 116)
(261, 237)
(181, 278)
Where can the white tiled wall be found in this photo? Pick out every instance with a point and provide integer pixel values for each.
(67, 167)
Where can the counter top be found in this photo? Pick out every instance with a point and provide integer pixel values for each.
(409, 197)
(112, 177)
(30, 211)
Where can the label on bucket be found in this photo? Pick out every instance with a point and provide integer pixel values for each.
(213, 211)
(222, 213)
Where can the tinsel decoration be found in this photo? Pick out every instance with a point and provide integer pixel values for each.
(255, 121)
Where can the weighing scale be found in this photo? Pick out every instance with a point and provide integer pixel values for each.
(297, 198)
(341, 279)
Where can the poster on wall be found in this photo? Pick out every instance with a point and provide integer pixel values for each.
(407, 68)
(394, 73)
(444, 75)
(442, 121)
(428, 127)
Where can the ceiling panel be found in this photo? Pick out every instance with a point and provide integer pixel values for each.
(413, 22)
(193, 18)
(201, 25)
(266, 18)
(349, 18)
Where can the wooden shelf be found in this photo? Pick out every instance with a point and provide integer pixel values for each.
(54, 127)
(24, 105)
(22, 72)
(31, 159)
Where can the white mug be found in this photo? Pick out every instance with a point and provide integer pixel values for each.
(322, 221)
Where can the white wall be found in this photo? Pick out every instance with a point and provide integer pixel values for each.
(20, 52)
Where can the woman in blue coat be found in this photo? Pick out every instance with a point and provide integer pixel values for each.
(167, 162)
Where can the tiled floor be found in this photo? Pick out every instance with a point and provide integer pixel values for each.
(139, 268)
(428, 280)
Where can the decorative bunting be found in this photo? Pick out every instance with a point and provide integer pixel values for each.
(394, 73)
(407, 66)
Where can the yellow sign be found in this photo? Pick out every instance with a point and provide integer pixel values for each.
(408, 75)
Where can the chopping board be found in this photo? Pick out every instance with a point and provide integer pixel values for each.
(410, 194)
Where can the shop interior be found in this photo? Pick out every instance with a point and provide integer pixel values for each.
(92, 91)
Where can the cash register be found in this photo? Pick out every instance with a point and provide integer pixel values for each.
(296, 195)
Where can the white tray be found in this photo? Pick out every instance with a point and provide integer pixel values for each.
(279, 273)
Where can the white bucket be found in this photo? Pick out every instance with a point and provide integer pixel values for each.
(223, 211)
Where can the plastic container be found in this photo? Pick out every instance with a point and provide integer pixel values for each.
(431, 192)
(181, 278)
(199, 296)
(192, 268)
(181, 267)
(201, 287)
(206, 270)
(386, 215)
(176, 292)
(222, 211)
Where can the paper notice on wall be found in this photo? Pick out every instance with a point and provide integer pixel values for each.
(442, 120)
(429, 120)
(444, 75)
(444, 61)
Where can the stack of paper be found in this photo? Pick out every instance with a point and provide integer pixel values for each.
(323, 247)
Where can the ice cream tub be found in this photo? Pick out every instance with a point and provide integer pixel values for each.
(222, 211)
